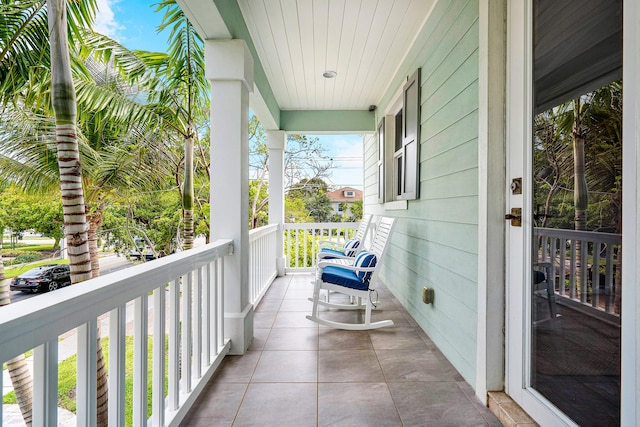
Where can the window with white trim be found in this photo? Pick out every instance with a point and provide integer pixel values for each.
(399, 147)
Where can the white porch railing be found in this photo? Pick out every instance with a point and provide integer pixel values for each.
(301, 241)
(187, 286)
(262, 261)
(594, 279)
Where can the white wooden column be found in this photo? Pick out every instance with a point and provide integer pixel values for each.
(229, 69)
(277, 144)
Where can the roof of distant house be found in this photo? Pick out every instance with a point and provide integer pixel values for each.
(345, 194)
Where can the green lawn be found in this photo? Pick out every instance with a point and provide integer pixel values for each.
(67, 379)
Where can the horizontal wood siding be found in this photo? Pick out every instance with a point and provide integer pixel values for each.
(435, 242)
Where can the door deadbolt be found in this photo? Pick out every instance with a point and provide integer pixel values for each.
(515, 217)
(516, 186)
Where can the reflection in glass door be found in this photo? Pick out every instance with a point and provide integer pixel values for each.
(577, 203)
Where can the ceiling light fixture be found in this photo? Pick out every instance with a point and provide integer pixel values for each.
(329, 74)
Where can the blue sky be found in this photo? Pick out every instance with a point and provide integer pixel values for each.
(133, 23)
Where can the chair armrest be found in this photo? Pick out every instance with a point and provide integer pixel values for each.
(331, 255)
(328, 263)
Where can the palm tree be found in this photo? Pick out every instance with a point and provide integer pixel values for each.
(63, 98)
(182, 86)
(23, 50)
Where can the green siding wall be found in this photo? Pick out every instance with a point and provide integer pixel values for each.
(435, 242)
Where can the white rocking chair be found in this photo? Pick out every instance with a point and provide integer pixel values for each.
(340, 249)
(353, 280)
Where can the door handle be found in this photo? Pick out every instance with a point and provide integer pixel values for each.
(515, 217)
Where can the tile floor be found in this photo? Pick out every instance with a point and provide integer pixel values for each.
(297, 373)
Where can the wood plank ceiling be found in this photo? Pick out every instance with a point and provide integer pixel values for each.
(363, 41)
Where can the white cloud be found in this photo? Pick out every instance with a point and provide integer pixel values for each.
(106, 22)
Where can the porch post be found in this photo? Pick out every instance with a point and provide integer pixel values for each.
(490, 356)
(229, 69)
(277, 143)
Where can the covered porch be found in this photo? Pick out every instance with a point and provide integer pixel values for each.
(296, 373)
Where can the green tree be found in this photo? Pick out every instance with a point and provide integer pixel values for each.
(295, 210)
(46, 218)
(356, 210)
(259, 194)
(313, 193)
(319, 207)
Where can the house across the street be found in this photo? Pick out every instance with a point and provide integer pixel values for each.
(343, 198)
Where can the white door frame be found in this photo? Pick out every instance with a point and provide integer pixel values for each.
(518, 254)
(630, 396)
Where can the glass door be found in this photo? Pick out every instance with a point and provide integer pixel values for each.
(576, 209)
(564, 165)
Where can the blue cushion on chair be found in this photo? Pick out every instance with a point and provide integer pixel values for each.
(331, 251)
(351, 247)
(366, 260)
(343, 277)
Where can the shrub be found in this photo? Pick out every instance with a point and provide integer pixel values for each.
(26, 257)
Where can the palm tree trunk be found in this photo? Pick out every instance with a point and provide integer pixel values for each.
(187, 191)
(580, 192)
(73, 206)
(95, 221)
(22, 385)
(17, 367)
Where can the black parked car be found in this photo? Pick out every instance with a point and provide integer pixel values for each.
(42, 279)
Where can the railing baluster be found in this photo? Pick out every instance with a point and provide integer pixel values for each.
(185, 333)
(140, 351)
(313, 247)
(609, 280)
(304, 248)
(117, 333)
(197, 324)
(552, 262)
(563, 265)
(595, 276)
(86, 396)
(297, 247)
(213, 290)
(206, 315)
(45, 384)
(220, 286)
(583, 270)
(572, 265)
(287, 252)
(157, 392)
(174, 344)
